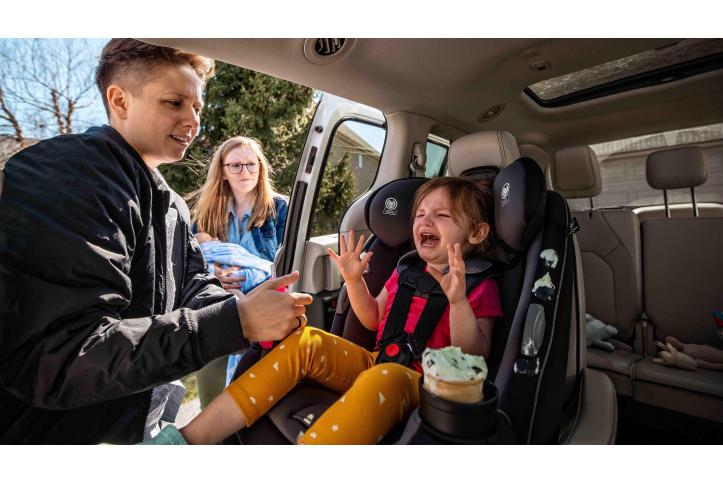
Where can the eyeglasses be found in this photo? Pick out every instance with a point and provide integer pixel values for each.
(238, 167)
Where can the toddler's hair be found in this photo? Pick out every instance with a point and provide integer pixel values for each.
(468, 198)
(132, 61)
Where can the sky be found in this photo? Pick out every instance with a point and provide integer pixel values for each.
(85, 53)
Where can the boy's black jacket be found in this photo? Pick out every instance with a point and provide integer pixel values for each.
(103, 292)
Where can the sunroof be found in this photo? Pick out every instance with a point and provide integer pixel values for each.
(671, 62)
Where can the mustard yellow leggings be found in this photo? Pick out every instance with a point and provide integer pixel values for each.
(374, 397)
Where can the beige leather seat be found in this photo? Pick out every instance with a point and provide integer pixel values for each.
(683, 273)
(683, 210)
(609, 241)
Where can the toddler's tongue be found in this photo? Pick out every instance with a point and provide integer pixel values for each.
(429, 240)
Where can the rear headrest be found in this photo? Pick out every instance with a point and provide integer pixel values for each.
(388, 211)
(576, 172)
(482, 149)
(520, 196)
(676, 168)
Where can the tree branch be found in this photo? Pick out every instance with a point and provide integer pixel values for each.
(8, 115)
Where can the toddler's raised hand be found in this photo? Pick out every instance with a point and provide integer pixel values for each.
(348, 261)
(453, 283)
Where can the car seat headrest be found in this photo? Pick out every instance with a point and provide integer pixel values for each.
(676, 168)
(482, 153)
(520, 195)
(388, 211)
(576, 172)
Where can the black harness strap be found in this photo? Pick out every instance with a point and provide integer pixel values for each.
(400, 347)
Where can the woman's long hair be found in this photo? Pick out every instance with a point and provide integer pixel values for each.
(211, 202)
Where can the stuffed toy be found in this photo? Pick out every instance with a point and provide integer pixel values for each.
(718, 319)
(598, 332)
(688, 356)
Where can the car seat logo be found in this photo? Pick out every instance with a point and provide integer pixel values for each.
(390, 206)
(505, 194)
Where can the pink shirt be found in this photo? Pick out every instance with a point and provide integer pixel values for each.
(484, 300)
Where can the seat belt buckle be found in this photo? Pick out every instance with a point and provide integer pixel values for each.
(573, 227)
(399, 350)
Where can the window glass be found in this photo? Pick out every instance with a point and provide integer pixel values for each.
(666, 56)
(350, 170)
(622, 168)
(436, 157)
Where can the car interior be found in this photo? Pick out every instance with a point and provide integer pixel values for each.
(619, 146)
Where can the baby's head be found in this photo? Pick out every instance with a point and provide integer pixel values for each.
(449, 210)
(204, 237)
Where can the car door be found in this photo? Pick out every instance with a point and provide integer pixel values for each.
(338, 164)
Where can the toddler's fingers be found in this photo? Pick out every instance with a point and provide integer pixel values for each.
(342, 245)
(365, 260)
(360, 244)
(351, 244)
(332, 254)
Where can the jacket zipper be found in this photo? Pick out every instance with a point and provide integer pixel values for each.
(166, 201)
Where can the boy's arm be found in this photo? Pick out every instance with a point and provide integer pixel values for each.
(67, 272)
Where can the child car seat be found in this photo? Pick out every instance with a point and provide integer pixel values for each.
(520, 210)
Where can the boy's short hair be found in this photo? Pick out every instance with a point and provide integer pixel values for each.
(132, 60)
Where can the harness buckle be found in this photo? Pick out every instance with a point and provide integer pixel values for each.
(399, 349)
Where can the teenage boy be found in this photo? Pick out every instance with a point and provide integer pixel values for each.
(104, 297)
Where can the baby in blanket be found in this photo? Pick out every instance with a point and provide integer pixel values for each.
(255, 270)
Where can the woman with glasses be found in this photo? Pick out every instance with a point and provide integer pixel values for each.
(237, 205)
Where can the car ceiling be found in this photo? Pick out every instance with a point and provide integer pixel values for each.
(453, 81)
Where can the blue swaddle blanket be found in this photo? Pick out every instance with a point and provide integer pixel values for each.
(255, 270)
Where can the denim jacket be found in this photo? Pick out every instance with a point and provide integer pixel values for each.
(268, 237)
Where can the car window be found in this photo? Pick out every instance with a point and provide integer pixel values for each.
(436, 158)
(622, 168)
(663, 64)
(349, 171)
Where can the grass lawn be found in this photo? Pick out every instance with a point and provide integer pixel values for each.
(189, 381)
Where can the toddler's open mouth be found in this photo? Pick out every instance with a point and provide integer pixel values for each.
(429, 240)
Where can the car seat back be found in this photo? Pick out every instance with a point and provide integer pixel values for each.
(682, 259)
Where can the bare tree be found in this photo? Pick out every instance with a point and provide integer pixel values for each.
(44, 83)
(7, 115)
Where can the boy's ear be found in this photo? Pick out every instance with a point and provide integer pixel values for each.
(480, 234)
(118, 99)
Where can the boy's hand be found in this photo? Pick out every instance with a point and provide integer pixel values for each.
(228, 282)
(268, 314)
(350, 266)
(453, 283)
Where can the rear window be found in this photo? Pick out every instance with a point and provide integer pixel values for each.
(437, 149)
(622, 168)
